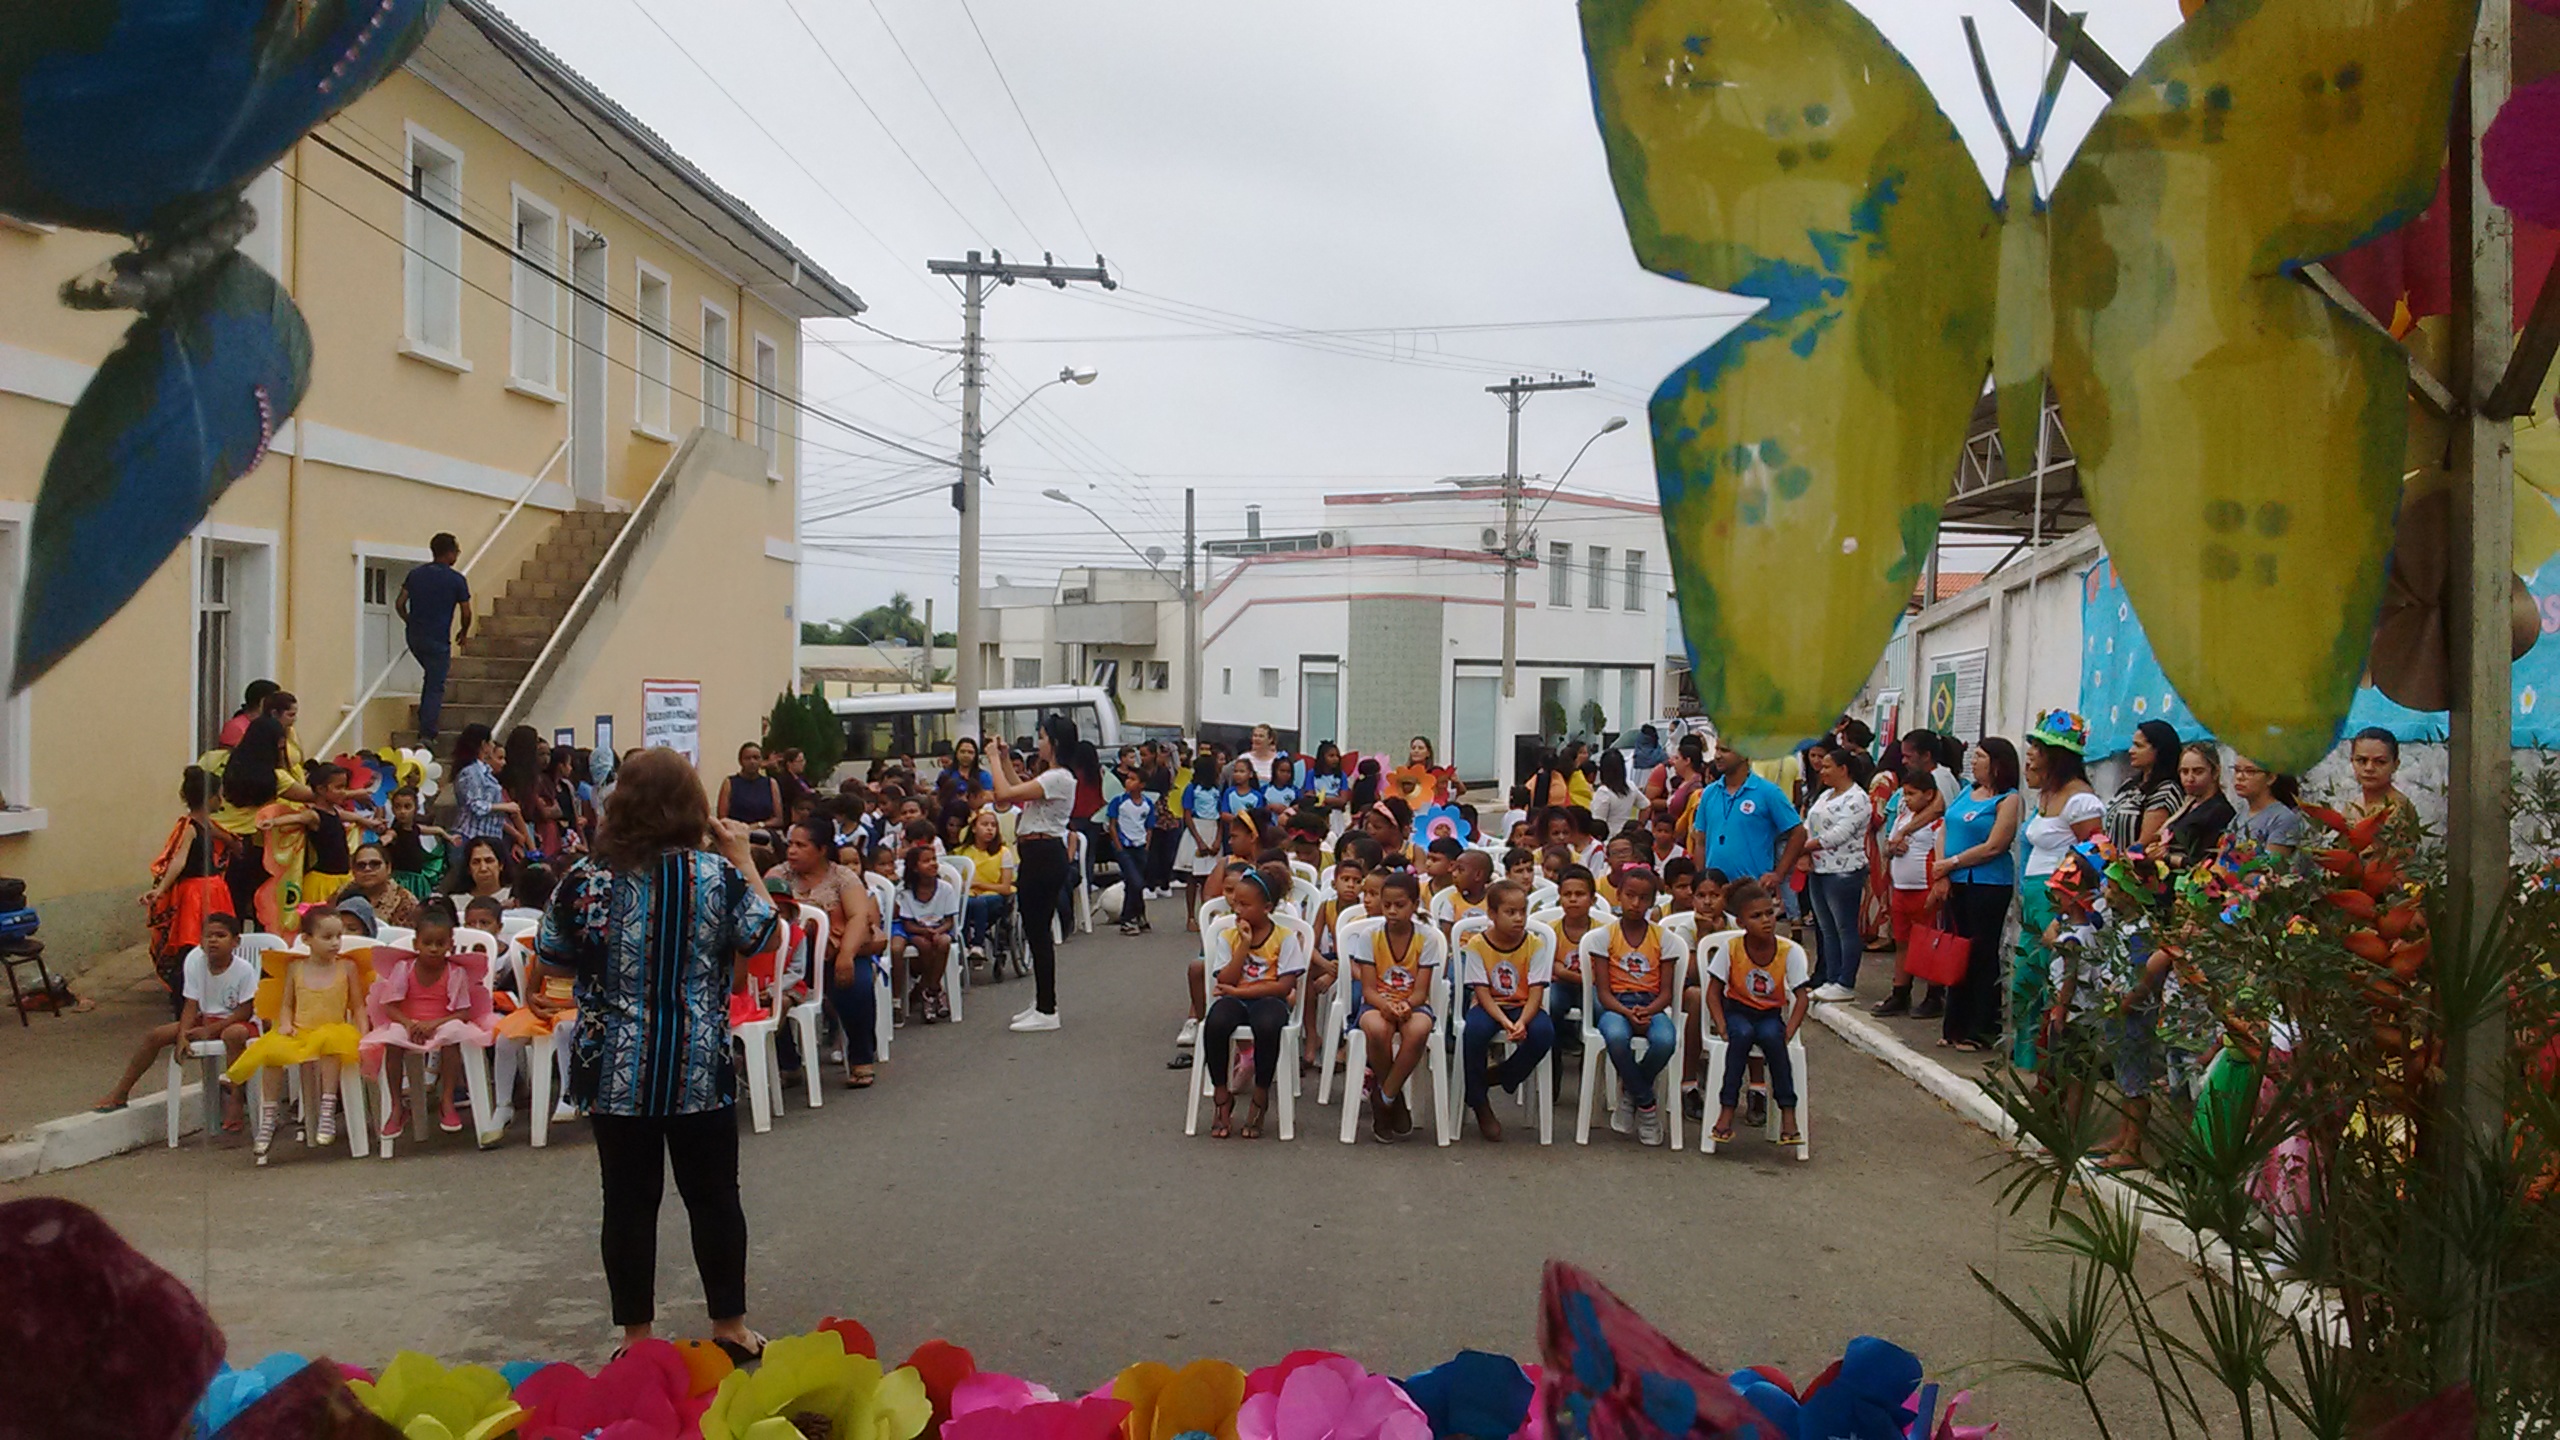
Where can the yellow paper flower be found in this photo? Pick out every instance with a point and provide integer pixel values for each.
(425, 1401)
(1202, 1396)
(811, 1377)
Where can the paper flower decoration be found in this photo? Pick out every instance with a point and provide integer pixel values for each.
(644, 1394)
(123, 1347)
(233, 1391)
(706, 1363)
(811, 1378)
(311, 1403)
(1202, 1397)
(942, 1366)
(2520, 153)
(1331, 1398)
(1440, 820)
(1863, 1396)
(1473, 1393)
(856, 1335)
(989, 1406)
(425, 1401)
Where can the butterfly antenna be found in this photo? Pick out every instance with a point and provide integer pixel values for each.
(2066, 38)
(1990, 92)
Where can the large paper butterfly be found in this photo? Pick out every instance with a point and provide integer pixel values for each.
(148, 118)
(2239, 436)
(1615, 1377)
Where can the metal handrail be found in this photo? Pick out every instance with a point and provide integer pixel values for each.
(348, 717)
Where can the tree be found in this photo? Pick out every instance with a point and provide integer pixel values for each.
(946, 638)
(892, 623)
(1594, 719)
(808, 724)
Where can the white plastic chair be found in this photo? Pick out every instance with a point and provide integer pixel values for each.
(1310, 874)
(1211, 909)
(1598, 1074)
(805, 1014)
(1082, 879)
(399, 937)
(1304, 894)
(1538, 1092)
(762, 1066)
(1216, 948)
(1717, 1048)
(884, 896)
(1337, 1002)
(540, 1056)
(955, 962)
(211, 1059)
(1435, 958)
(1542, 895)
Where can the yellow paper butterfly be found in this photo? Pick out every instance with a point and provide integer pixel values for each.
(2240, 437)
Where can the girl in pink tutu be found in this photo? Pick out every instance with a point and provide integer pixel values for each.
(425, 1003)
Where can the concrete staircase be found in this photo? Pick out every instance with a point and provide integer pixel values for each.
(507, 639)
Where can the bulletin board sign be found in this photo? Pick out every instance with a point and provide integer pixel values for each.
(671, 715)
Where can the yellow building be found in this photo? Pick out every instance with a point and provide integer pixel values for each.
(516, 293)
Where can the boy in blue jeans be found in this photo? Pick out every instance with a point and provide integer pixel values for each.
(1506, 970)
(1130, 819)
(1756, 999)
(1632, 996)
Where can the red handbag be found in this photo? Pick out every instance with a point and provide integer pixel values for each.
(1936, 956)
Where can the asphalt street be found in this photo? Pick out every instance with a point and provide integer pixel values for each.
(1033, 1197)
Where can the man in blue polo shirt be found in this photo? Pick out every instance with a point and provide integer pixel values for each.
(1744, 825)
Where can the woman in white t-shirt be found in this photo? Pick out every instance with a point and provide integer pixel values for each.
(2067, 811)
(1040, 845)
(1836, 841)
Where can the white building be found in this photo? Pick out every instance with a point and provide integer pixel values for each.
(1387, 623)
(1119, 628)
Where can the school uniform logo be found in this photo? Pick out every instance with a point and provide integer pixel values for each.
(1749, 807)
(1762, 985)
(1506, 977)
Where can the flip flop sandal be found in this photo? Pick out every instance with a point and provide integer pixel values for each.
(1795, 1139)
(1179, 1062)
(739, 1355)
(1722, 1135)
(103, 1109)
(858, 1081)
(1222, 1124)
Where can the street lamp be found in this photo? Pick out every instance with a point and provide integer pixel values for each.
(1068, 376)
(1182, 589)
(964, 496)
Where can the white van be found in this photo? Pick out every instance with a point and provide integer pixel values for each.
(917, 724)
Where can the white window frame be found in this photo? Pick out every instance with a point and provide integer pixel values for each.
(1559, 575)
(653, 405)
(428, 233)
(534, 293)
(1597, 567)
(1270, 682)
(258, 650)
(717, 414)
(1159, 675)
(17, 714)
(767, 408)
(1634, 566)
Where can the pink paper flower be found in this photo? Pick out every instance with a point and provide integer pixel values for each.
(641, 1396)
(1268, 1379)
(1094, 1417)
(2520, 154)
(988, 1390)
(1330, 1398)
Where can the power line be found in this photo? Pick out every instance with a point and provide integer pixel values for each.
(1358, 332)
(921, 173)
(956, 133)
(899, 339)
(1037, 147)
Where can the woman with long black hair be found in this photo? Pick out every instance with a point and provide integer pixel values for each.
(1047, 799)
(1613, 800)
(2140, 810)
(255, 776)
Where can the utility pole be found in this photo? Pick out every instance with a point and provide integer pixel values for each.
(1515, 394)
(975, 272)
(1190, 612)
(924, 677)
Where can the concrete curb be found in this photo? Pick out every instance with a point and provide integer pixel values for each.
(85, 1138)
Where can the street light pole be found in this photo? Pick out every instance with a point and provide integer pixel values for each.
(1515, 394)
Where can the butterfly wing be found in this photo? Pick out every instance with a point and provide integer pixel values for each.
(187, 404)
(2241, 438)
(112, 111)
(1616, 1377)
(1782, 150)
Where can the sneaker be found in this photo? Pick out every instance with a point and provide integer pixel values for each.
(1623, 1118)
(1897, 1003)
(1036, 1021)
(1027, 1011)
(1755, 1111)
(563, 1113)
(1403, 1116)
(264, 1136)
(1834, 992)
(1693, 1102)
(1649, 1125)
(328, 1119)
(1933, 1006)
(1382, 1119)
(449, 1120)
(1186, 1037)
(395, 1123)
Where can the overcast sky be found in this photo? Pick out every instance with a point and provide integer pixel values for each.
(1421, 182)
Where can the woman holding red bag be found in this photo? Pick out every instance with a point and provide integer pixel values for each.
(1972, 879)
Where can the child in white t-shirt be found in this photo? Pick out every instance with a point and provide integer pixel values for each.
(1907, 848)
(1756, 999)
(218, 985)
(927, 911)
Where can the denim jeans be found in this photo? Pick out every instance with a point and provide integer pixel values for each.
(979, 917)
(1133, 880)
(434, 660)
(857, 1008)
(1835, 913)
(1661, 1034)
(1563, 998)
(1746, 1029)
(1477, 1047)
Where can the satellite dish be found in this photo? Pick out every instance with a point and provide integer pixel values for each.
(1155, 554)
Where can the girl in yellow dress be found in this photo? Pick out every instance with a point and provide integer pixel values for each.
(314, 1024)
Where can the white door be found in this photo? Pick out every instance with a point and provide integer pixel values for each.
(587, 366)
(1320, 698)
(1473, 732)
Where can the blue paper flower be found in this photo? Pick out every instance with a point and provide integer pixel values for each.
(233, 1391)
(1473, 1393)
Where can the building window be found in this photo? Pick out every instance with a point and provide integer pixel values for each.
(654, 408)
(232, 615)
(1635, 580)
(715, 369)
(1270, 682)
(1026, 672)
(1559, 575)
(1599, 577)
(1226, 680)
(534, 357)
(381, 638)
(768, 405)
(1159, 675)
(433, 264)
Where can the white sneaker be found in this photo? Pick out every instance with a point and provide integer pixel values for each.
(1188, 1035)
(1036, 1021)
(1649, 1125)
(1623, 1118)
(1834, 992)
(1027, 1011)
(563, 1113)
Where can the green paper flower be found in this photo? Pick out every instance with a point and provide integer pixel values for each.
(426, 1401)
(808, 1388)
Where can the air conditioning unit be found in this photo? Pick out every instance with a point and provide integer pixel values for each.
(1331, 539)
(1492, 540)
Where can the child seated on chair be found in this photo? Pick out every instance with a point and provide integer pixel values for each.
(1325, 968)
(1219, 890)
(1758, 989)
(927, 912)
(1265, 963)
(482, 913)
(1576, 895)
(1395, 977)
(1520, 867)
(1706, 902)
(315, 1021)
(1680, 879)
(416, 849)
(1471, 876)
(548, 1007)
(1618, 853)
(1632, 996)
(424, 1004)
(1440, 868)
(530, 895)
(216, 988)
(1506, 971)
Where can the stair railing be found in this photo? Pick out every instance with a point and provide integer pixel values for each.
(606, 576)
(348, 713)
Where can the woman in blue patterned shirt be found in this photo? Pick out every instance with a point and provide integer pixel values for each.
(656, 926)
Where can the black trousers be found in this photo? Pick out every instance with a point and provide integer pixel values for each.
(1040, 888)
(1160, 847)
(1977, 912)
(633, 1153)
(1266, 1017)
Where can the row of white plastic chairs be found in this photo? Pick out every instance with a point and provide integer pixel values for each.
(1537, 1096)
